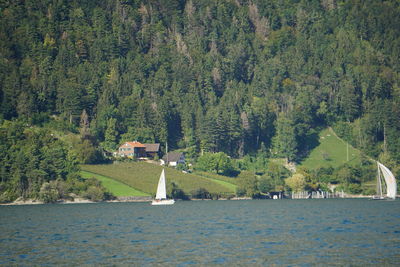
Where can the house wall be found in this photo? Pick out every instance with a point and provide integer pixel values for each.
(131, 151)
(125, 151)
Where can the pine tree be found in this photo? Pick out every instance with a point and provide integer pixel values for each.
(284, 142)
(110, 138)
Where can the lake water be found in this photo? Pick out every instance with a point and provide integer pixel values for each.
(254, 232)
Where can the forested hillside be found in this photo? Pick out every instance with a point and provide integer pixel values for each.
(232, 76)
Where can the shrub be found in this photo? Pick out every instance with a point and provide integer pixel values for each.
(177, 192)
(87, 153)
(219, 163)
(297, 182)
(95, 193)
(266, 184)
(368, 191)
(181, 167)
(8, 196)
(354, 188)
(247, 184)
(215, 196)
(201, 193)
(48, 192)
(240, 191)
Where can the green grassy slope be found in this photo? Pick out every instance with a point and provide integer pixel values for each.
(232, 187)
(223, 180)
(214, 176)
(115, 187)
(331, 151)
(144, 177)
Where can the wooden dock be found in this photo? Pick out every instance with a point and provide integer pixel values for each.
(316, 194)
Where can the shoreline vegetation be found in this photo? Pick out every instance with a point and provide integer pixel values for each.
(20, 202)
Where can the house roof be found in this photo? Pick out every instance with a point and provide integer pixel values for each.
(152, 147)
(173, 156)
(133, 144)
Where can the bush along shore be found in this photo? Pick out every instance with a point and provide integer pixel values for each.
(77, 200)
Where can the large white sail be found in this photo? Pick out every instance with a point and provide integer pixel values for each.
(161, 191)
(390, 181)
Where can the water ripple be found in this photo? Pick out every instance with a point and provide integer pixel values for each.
(260, 233)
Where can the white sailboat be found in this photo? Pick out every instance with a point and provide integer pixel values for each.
(389, 181)
(161, 195)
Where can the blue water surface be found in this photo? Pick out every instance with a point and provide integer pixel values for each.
(356, 232)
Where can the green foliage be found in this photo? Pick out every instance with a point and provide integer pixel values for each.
(110, 139)
(87, 153)
(354, 189)
(219, 163)
(275, 176)
(143, 135)
(258, 163)
(176, 192)
(31, 156)
(284, 142)
(49, 193)
(349, 177)
(209, 76)
(352, 179)
(53, 191)
(200, 193)
(94, 191)
(247, 184)
(181, 167)
(297, 182)
(37, 165)
(266, 184)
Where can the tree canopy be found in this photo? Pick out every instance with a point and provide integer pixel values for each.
(205, 76)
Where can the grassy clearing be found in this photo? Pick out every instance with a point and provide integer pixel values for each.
(223, 180)
(331, 151)
(229, 185)
(232, 187)
(144, 177)
(115, 187)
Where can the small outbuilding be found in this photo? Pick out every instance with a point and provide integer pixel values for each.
(173, 159)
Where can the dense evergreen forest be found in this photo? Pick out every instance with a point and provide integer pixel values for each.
(240, 77)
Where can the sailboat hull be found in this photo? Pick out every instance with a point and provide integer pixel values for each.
(163, 202)
(378, 198)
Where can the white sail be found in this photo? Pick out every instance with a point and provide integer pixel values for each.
(390, 180)
(379, 184)
(161, 191)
